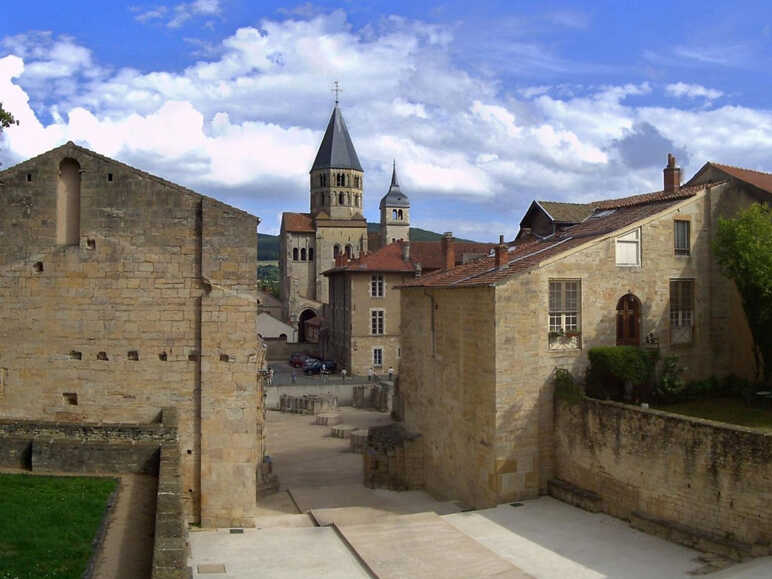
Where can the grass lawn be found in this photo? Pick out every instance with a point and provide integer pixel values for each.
(47, 524)
(731, 410)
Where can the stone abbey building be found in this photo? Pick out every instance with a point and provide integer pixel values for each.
(122, 294)
(335, 225)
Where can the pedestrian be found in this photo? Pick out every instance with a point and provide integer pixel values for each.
(270, 376)
(294, 376)
(391, 373)
(343, 374)
(324, 373)
(369, 374)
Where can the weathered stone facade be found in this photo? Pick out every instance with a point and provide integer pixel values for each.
(478, 360)
(712, 481)
(147, 300)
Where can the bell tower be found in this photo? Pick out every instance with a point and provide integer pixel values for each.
(395, 213)
(336, 175)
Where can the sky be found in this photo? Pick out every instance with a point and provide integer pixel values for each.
(485, 106)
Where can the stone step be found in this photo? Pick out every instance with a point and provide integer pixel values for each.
(342, 430)
(284, 521)
(328, 419)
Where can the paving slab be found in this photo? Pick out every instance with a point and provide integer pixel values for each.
(424, 546)
(548, 538)
(279, 553)
(357, 495)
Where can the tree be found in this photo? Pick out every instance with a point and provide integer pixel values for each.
(6, 119)
(743, 247)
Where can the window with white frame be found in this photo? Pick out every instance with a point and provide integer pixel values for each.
(681, 236)
(376, 322)
(629, 248)
(681, 310)
(376, 285)
(377, 357)
(564, 301)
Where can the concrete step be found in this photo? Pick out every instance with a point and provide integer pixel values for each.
(284, 521)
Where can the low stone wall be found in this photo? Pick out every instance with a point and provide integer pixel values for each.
(308, 404)
(343, 393)
(393, 458)
(112, 448)
(376, 396)
(695, 481)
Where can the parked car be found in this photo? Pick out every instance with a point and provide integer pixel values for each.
(314, 366)
(297, 359)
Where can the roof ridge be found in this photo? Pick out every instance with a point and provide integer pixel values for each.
(739, 168)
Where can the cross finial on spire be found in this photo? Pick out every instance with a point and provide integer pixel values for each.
(337, 90)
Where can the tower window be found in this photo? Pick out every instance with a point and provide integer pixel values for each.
(303, 254)
(341, 198)
(399, 214)
(393, 213)
(310, 254)
(336, 250)
(295, 254)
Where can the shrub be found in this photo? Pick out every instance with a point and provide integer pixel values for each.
(565, 386)
(671, 386)
(613, 367)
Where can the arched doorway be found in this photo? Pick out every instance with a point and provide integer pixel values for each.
(629, 321)
(304, 317)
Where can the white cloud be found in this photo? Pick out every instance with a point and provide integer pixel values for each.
(681, 89)
(178, 14)
(245, 121)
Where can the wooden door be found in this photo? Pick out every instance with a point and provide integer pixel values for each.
(628, 321)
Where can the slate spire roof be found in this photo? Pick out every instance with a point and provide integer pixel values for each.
(394, 197)
(336, 151)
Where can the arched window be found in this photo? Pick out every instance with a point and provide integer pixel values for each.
(356, 181)
(349, 251)
(295, 254)
(628, 321)
(393, 213)
(341, 198)
(399, 214)
(348, 180)
(321, 180)
(68, 203)
(336, 250)
(303, 254)
(310, 254)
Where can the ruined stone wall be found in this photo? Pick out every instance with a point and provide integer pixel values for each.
(447, 384)
(706, 476)
(110, 330)
(525, 363)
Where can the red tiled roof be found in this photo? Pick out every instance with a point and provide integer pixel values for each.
(654, 197)
(427, 253)
(531, 253)
(298, 222)
(756, 178)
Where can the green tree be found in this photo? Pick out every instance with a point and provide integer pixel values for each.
(743, 247)
(6, 119)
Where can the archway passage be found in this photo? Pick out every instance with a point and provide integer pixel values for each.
(629, 321)
(304, 317)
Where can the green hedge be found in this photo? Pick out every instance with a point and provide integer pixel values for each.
(614, 366)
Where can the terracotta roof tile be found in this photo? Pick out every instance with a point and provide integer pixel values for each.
(298, 222)
(756, 178)
(528, 254)
(654, 197)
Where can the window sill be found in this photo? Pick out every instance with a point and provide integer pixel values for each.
(564, 343)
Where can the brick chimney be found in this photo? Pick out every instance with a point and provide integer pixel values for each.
(405, 251)
(448, 252)
(418, 270)
(502, 254)
(672, 175)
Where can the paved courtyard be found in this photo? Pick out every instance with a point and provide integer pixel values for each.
(324, 523)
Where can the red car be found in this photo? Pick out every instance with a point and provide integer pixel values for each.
(297, 359)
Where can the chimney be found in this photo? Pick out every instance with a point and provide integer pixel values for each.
(418, 270)
(672, 175)
(448, 252)
(405, 251)
(502, 254)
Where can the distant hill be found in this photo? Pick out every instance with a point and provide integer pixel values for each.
(268, 245)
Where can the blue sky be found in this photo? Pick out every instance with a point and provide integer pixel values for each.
(484, 108)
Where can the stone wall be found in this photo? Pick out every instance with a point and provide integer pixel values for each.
(393, 459)
(136, 315)
(447, 387)
(686, 473)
